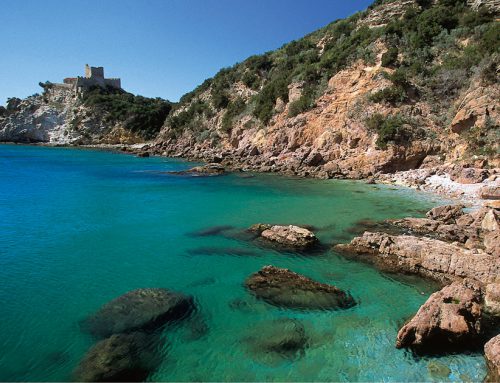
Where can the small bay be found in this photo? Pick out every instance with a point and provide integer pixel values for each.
(80, 227)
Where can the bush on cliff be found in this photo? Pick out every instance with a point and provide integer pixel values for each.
(142, 115)
(392, 129)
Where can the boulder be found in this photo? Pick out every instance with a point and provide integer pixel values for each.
(138, 309)
(490, 192)
(290, 236)
(119, 358)
(492, 299)
(449, 320)
(442, 261)
(492, 356)
(491, 221)
(284, 288)
(472, 176)
(282, 338)
(446, 213)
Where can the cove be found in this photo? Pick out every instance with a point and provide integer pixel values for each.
(81, 227)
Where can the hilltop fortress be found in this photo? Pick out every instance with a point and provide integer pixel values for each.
(94, 76)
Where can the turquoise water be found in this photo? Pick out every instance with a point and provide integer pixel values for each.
(80, 227)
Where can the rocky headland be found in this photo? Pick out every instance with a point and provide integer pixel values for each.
(458, 249)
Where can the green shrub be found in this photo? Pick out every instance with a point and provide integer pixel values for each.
(390, 58)
(391, 129)
(303, 104)
(141, 115)
(234, 108)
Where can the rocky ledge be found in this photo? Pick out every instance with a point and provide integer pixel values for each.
(453, 247)
(447, 246)
(292, 237)
(284, 288)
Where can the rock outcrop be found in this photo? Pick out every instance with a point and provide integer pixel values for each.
(492, 355)
(290, 237)
(428, 257)
(121, 357)
(284, 288)
(449, 320)
(141, 309)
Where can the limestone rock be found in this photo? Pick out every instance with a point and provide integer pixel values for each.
(121, 357)
(284, 288)
(492, 356)
(433, 258)
(446, 213)
(138, 309)
(450, 319)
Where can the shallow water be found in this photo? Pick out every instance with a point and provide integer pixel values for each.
(80, 227)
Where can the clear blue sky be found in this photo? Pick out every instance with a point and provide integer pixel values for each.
(158, 48)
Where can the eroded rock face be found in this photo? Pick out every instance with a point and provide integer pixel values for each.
(138, 309)
(492, 355)
(284, 288)
(429, 257)
(119, 358)
(450, 319)
(291, 236)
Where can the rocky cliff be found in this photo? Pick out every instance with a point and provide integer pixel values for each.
(64, 117)
(396, 87)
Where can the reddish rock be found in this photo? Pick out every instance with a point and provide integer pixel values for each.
(429, 257)
(449, 319)
(291, 236)
(472, 176)
(490, 192)
(446, 213)
(492, 356)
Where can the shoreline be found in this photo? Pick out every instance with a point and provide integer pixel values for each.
(436, 181)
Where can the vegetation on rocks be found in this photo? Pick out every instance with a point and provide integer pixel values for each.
(137, 113)
(432, 53)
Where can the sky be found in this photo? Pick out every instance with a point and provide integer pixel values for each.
(159, 48)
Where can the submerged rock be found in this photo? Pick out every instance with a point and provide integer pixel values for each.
(492, 356)
(284, 288)
(283, 338)
(449, 320)
(119, 358)
(212, 169)
(138, 309)
(212, 231)
(293, 237)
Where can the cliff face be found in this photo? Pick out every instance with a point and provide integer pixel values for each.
(62, 117)
(399, 86)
